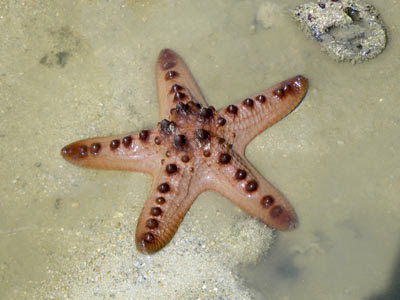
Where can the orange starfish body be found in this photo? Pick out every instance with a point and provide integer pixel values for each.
(195, 148)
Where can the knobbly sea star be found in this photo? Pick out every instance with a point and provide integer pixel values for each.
(195, 148)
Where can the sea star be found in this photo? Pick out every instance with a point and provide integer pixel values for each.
(195, 148)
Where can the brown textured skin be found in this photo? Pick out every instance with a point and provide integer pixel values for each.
(205, 169)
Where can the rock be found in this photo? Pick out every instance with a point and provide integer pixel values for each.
(348, 30)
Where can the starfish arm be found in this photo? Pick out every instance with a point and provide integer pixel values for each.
(238, 181)
(246, 119)
(174, 83)
(170, 198)
(131, 152)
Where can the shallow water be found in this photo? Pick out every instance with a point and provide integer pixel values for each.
(79, 69)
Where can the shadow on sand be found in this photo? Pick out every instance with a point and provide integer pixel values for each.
(392, 292)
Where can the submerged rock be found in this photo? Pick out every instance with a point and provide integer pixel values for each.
(348, 30)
